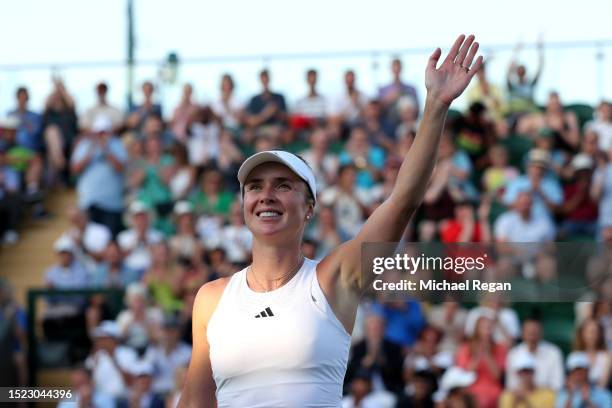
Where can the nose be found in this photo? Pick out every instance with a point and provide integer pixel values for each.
(267, 195)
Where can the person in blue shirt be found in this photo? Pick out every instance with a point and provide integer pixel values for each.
(98, 160)
(404, 321)
(579, 393)
(29, 130)
(139, 113)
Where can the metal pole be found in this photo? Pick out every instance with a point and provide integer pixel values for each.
(130, 53)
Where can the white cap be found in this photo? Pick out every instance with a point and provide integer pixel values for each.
(102, 123)
(577, 359)
(297, 165)
(539, 156)
(10, 122)
(64, 244)
(138, 207)
(107, 328)
(141, 367)
(183, 207)
(454, 377)
(96, 237)
(582, 161)
(523, 361)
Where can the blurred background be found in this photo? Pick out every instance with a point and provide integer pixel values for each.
(122, 126)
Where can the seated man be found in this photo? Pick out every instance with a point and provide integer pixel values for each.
(578, 392)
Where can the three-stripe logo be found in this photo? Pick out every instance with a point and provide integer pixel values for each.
(267, 312)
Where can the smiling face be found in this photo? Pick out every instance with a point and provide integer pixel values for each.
(276, 202)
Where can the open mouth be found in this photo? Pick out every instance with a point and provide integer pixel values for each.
(268, 214)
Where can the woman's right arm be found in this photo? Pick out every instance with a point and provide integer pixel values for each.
(199, 389)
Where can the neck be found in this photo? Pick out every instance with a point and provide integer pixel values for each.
(273, 262)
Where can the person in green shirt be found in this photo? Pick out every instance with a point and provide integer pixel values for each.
(211, 198)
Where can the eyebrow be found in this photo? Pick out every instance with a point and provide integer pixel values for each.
(275, 179)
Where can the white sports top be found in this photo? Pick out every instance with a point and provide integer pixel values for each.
(283, 348)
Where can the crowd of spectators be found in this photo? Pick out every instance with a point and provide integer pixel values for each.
(159, 214)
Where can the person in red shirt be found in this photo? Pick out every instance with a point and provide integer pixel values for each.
(579, 210)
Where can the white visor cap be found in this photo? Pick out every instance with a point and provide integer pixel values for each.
(297, 165)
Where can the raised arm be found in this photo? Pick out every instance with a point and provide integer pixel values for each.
(387, 224)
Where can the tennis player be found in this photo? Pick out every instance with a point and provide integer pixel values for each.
(277, 333)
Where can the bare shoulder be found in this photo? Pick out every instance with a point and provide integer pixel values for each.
(207, 299)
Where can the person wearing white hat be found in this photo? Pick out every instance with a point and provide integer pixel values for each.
(98, 160)
(578, 392)
(527, 394)
(579, 210)
(141, 393)
(452, 391)
(277, 333)
(110, 362)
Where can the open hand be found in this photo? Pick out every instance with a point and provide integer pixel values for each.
(450, 80)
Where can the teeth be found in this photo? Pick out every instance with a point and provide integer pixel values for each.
(268, 214)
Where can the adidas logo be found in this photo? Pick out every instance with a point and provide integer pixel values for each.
(267, 312)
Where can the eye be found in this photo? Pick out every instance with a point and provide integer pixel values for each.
(284, 186)
(252, 187)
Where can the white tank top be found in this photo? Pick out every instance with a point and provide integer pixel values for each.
(283, 348)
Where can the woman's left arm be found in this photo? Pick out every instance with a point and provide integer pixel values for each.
(388, 222)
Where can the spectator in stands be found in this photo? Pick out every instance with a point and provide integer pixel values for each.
(313, 105)
(12, 339)
(527, 393)
(327, 232)
(454, 389)
(101, 108)
(237, 238)
(578, 392)
(365, 156)
(140, 324)
(267, 108)
(475, 134)
(323, 163)
(602, 125)
(404, 319)
(228, 161)
(68, 273)
(10, 199)
(28, 163)
(162, 278)
(506, 324)
(153, 180)
(212, 199)
(464, 227)
(29, 130)
(487, 358)
(140, 393)
(362, 395)
(426, 354)
(348, 209)
(185, 243)
(419, 391)
(228, 108)
(601, 191)
(390, 95)
(379, 356)
(183, 175)
(84, 392)
(139, 113)
(590, 340)
(110, 362)
(204, 135)
(136, 241)
(60, 130)
(449, 318)
(499, 173)
(547, 359)
(521, 89)
(99, 160)
(349, 106)
(522, 224)
(112, 272)
(183, 114)
(167, 356)
(487, 94)
(579, 211)
(380, 134)
(546, 190)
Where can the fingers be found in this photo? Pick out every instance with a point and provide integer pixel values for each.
(464, 50)
(454, 49)
(470, 57)
(475, 67)
(433, 59)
